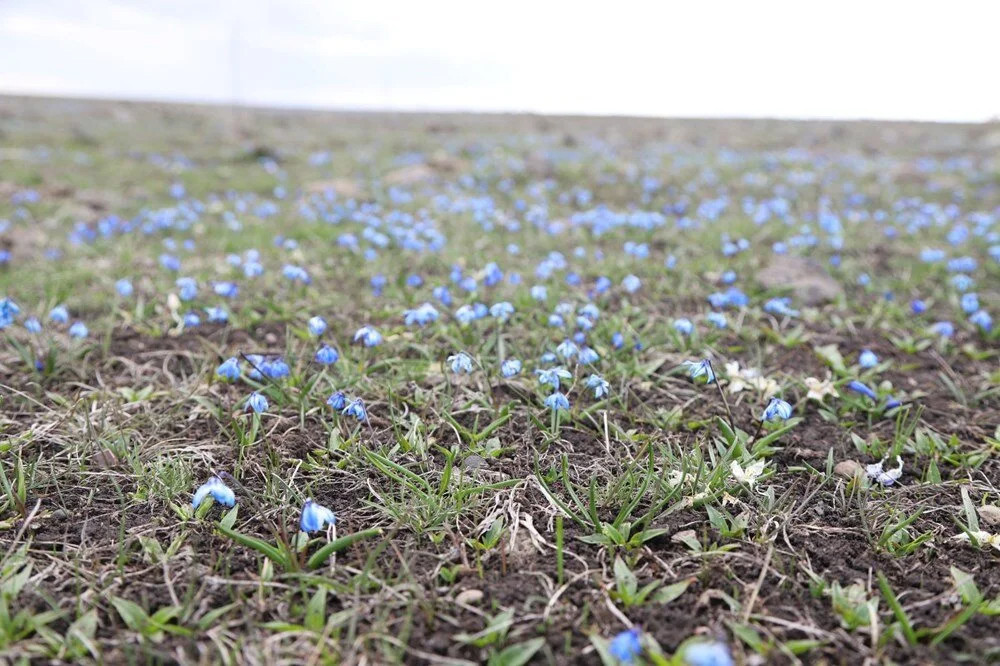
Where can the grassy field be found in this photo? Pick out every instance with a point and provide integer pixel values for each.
(495, 389)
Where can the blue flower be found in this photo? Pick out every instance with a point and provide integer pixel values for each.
(501, 311)
(256, 402)
(683, 326)
(552, 376)
(460, 362)
(780, 306)
(539, 292)
(493, 274)
(510, 367)
(276, 369)
(777, 409)
(59, 314)
(702, 368)
(413, 281)
(567, 349)
(970, 302)
(863, 389)
(590, 311)
(217, 315)
(983, 320)
(466, 314)
(257, 363)
(556, 321)
(599, 385)
(480, 310)
(617, 340)
(124, 287)
(356, 408)
(625, 647)
(78, 330)
(557, 401)
(187, 288)
(368, 336)
(229, 369)
(8, 312)
(867, 359)
(962, 282)
(295, 273)
(326, 355)
(191, 320)
(707, 654)
(717, 319)
(338, 400)
(32, 325)
(219, 491)
(170, 262)
(315, 517)
(587, 356)
(316, 325)
(943, 328)
(442, 294)
(917, 306)
(226, 289)
(736, 298)
(631, 283)
(421, 315)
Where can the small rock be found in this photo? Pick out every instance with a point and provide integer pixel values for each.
(809, 281)
(104, 458)
(342, 187)
(408, 176)
(474, 462)
(469, 597)
(849, 469)
(989, 514)
(684, 536)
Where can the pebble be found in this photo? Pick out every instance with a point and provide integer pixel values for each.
(849, 469)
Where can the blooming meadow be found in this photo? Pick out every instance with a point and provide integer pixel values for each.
(440, 389)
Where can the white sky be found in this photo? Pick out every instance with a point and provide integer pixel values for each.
(803, 59)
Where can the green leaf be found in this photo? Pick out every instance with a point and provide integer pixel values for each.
(320, 557)
(625, 580)
(208, 619)
(897, 609)
(748, 635)
(517, 655)
(271, 552)
(670, 592)
(131, 613)
(316, 611)
(229, 519)
(966, 586)
(832, 357)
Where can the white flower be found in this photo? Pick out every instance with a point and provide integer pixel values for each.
(819, 389)
(984, 538)
(736, 383)
(886, 477)
(748, 475)
(749, 378)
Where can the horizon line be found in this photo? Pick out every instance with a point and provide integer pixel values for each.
(414, 111)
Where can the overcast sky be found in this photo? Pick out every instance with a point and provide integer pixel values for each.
(802, 59)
